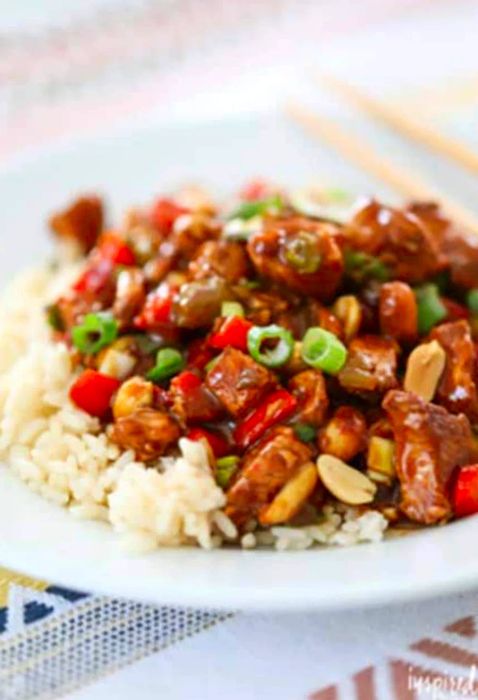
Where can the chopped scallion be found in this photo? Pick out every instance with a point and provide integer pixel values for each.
(95, 333)
(168, 363)
(323, 350)
(275, 356)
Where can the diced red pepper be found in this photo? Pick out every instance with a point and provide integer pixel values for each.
(254, 190)
(465, 491)
(232, 332)
(456, 311)
(164, 213)
(95, 278)
(218, 444)
(93, 391)
(157, 308)
(276, 407)
(199, 354)
(186, 381)
(112, 247)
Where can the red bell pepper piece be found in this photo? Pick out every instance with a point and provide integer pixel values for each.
(186, 381)
(218, 444)
(164, 213)
(199, 354)
(157, 308)
(456, 311)
(112, 247)
(254, 190)
(95, 278)
(276, 407)
(232, 332)
(92, 392)
(465, 491)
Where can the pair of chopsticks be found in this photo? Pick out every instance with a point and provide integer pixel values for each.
(400, 179)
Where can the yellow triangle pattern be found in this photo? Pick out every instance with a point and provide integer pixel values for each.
(7, 577)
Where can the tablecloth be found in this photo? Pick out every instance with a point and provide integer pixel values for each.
(68, 69)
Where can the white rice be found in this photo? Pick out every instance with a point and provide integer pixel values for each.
(61, 453)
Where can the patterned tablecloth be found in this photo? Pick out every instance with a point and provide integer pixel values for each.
(67, 68)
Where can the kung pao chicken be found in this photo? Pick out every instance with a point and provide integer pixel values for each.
(324, 352)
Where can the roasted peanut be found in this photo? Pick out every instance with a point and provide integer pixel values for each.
(424, 369)
(398, 311)
(134, 394)
(345, 483)
(291, 497)
(344, 435)
(348, 310)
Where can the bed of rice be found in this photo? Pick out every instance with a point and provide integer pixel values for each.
(61, 453)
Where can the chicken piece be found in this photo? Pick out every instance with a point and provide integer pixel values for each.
(345, 435)
(398, 312)
(146, 431)
(197, 404)
(80, 223)
(238, 381)
(399, 239)
(301, 254)
(322, 317)
(371, 365)
(130, 295)
(226, 259)
(430, 444)
(459, 246)
(190, 231)
(457, 389)
(93, 291)
(265, 469)
(310, 390)
(264, 307)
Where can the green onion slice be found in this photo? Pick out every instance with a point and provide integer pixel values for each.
(232, 308)
(323, 350)
(362, 266)
(431, 310)
(472, 301)
(168, 363)
(225, 469)
(305, 432)
(95, 333)
(302, 252)
(270, 356)
(247, 210)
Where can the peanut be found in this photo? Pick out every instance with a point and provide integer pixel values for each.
(348, 310)
(424, 369)
(344, 482)
(134, 394)
(291, 497)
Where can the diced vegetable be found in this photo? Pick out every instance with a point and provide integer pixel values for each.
(323, 350)
(258, 339)
(217, 443)
(112, 247)
(247, 210)
(157, 308)
(362, 266)
(93, 391)
(302, 253)
(232, 308)
(465, 491)
(169, 362)
(186, 381)
(226, 467)
(164, 213)
(472, 301)
(276, 407)
(380, 458)
(233, 332)
(305, 432)
(431, 310)
(95, 333)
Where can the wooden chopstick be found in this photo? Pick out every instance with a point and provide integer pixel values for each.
(363, 155)
(405, 124)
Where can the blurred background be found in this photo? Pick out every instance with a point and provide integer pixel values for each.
(68, 67)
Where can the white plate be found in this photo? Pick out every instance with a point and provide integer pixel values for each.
(43, 540)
